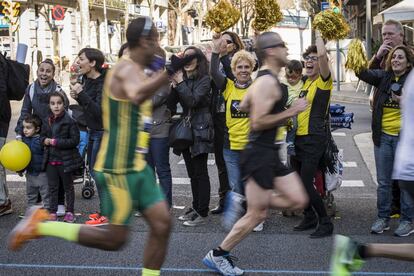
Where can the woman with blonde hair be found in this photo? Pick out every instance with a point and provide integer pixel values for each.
(237, 122)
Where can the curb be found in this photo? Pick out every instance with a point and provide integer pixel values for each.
(349, 99)
(366, 148)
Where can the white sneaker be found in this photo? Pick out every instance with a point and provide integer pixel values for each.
(61, 211)
(259, 227)
(222, 264)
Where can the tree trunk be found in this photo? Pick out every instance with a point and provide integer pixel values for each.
(85, 19)
(178, 32)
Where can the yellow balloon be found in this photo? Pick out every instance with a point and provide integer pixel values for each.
(15, 155)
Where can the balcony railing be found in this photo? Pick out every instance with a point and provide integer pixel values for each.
(110, 4)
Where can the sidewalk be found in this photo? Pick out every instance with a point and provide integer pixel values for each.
(348, 94)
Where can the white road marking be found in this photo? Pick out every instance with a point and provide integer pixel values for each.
(350, 164)
(210, 162)
(352, 183)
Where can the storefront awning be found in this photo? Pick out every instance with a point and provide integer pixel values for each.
(403, 12)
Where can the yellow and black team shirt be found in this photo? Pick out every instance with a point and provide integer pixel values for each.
(236, 133)
(318, 94)
(391, 116)
(126, 134)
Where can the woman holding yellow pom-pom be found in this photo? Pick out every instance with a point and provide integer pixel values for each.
(311, 136)
(386, 121)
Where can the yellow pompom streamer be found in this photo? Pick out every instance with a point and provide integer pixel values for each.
(332, 26)
(267, 14)
(356, 59)
(222, 16)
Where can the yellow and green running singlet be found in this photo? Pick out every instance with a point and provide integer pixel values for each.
(126, 134)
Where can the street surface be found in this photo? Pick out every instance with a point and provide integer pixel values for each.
(277, 250)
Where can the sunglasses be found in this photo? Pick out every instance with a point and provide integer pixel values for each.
(278, 45)
(312, 58)
(229, 41)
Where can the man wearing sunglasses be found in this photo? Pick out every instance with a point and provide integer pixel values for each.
(269, 183)
(311, 136)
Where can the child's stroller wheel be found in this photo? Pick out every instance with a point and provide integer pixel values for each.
(87, 192)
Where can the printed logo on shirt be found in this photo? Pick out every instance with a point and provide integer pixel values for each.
(235, 110)
(390, 103)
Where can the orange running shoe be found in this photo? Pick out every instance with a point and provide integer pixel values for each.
(102, 220)
(94, 216)
(26, 229)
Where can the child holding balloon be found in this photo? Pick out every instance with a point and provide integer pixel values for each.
(36, 178)
(64, 158)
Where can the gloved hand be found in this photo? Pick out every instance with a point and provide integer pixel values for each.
(179, 63)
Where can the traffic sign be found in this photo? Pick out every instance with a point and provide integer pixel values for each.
(324, 6)
(58, 13)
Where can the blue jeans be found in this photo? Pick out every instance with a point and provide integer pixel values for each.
(232, 159)
(384, 160)
(94, 142)
(158, 158)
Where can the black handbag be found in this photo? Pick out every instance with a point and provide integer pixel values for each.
(181, 134)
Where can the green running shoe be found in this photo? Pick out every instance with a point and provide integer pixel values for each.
(345, 257)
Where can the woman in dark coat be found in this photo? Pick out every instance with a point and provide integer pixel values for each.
(192, 89)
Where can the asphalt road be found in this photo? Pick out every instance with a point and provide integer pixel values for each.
(275, 251)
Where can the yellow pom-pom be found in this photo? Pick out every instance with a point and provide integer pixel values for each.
(332, 26)
(356, 59)
(222, 16)
(267, 14)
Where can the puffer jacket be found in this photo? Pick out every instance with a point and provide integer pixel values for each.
(37, 103)
(66, 133)
(194, 95)
(39, 158)
(382, 80)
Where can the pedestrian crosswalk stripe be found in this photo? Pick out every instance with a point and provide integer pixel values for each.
(341, 134)
(352, 183)
(210, 162)
(181, 181)
(15, 178)
(350, 164)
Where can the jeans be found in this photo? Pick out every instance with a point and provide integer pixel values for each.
(4, 192)
(291, 133)
(384, 160)
(94, 142)
(158, 158)
(200, 183)
(219, 124)
(232, 159)
(95, 138)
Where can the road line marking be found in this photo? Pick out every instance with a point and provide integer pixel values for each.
(352, 183)
(15, 178)
(199, 270)
(210, 162)
(340, 134)
(350, 164)
(181, 180)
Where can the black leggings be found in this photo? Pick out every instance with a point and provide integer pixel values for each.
(307, 171)
(55, 176)
(407, 186)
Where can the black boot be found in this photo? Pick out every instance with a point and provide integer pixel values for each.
(309, 221)
(325, 229)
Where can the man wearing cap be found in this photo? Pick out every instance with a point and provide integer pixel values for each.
(269, 183)
(126, 181)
